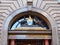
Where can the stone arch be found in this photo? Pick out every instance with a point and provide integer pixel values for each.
(51, 20)
(32, 13)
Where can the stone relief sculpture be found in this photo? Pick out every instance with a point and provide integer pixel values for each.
(32, 21)
(29, 21)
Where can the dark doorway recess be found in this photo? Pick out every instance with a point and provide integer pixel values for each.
(30, 42)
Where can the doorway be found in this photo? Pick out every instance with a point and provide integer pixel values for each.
(30, 42)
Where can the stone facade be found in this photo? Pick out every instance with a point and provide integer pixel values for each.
(10, 8)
